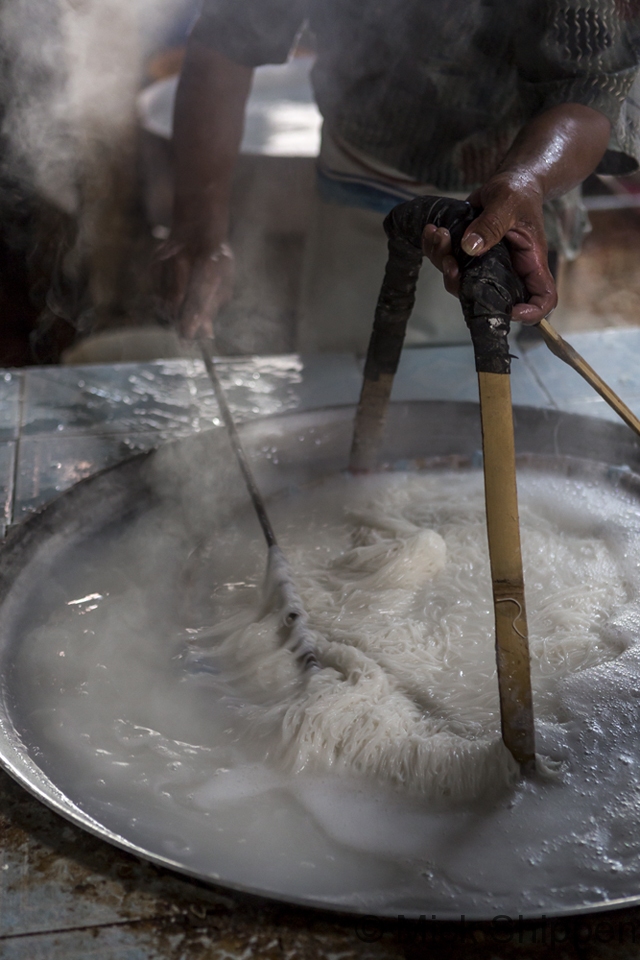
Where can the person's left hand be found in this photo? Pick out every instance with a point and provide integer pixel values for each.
(511, 208)
(194, 284)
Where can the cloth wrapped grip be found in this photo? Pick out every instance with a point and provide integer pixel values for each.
(489, 286)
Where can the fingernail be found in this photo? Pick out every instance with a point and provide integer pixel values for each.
(472, 244)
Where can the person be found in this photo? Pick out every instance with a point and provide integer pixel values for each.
(514, 104)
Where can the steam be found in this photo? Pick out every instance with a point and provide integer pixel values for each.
(72, 71)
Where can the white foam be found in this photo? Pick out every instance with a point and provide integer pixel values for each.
(404, 621)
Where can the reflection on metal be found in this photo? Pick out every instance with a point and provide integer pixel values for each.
(68, 895)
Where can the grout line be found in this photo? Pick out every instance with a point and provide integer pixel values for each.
(538, 379)
(17, 449)
(84, 928)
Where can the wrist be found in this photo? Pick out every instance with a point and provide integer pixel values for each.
(556, 150)
(201, 223)
(519, 181)
(200, 239)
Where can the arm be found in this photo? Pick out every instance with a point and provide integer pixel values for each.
(553, 153)
(575, 65)
(208, 126)
(230, 38)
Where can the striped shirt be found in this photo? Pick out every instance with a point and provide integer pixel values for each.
(438, 89)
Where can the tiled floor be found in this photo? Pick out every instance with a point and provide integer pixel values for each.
(612, 353)
(65, 423)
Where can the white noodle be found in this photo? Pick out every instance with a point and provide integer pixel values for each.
(400, 601)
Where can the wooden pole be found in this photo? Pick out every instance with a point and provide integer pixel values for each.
(368, 428)
(512, 647)
(488, 289)
(565, 352)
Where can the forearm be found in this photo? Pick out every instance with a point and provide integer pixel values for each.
(208, 128)
(553, 153)
(556, 150)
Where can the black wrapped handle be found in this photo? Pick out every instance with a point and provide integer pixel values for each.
(489, 286)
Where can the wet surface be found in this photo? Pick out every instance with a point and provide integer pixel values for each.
(74, 421)
(66, 894)
(63, 893)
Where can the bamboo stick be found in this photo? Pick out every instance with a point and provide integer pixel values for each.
(489, 287)
(512, 647)
(368, 429)
(566, 352)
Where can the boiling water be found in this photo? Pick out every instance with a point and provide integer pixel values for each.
(380, 782)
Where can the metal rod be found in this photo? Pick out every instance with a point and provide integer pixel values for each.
(279, 580)
(243, 463)
(560, 348)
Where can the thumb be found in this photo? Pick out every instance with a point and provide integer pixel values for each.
(488, 228)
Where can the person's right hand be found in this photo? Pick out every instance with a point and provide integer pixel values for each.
(553, 153)
(510, 208)
(195, 285)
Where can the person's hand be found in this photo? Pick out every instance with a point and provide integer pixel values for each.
(511, 208)
(553, 153)
(195, 285)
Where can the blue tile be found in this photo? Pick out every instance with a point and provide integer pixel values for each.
(7, 469)
(329, 380)
(49, 465)
(436, 373)
(525, 388)
(448, 373)
(267, 386)
(10, 389)
(110, 398)
(255, 387)
(57, 881)
(613, 354)
(99, 943)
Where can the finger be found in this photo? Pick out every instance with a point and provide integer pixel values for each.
(428, 239)
(197, 325)
(168, 249)
(535, 310)
(172, 278)
(210, 287)
(436, 244)
(451, 275)
(198, 312)
(488, 228)
(530, 262)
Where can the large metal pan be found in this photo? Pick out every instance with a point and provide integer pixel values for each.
(286, 450)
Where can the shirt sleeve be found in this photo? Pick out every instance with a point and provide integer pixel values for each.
(251, 32)
(579, 51)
